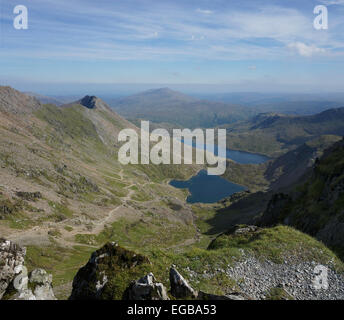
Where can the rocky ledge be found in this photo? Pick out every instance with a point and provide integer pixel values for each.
(106, 274)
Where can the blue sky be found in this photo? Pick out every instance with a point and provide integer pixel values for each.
(204, 45)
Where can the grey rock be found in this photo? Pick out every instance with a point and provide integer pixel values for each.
(41, 281)
(180, 287)
(13, 276)
(146, 288)
(11, 263)
(94, 280)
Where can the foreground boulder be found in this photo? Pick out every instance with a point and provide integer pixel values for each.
(40, 281)
(105, 274)
(146, 288)
(15, 284)
(180, 288)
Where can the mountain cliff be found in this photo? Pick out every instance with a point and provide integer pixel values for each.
(315, 205)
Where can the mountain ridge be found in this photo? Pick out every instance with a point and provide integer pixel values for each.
(168, 106)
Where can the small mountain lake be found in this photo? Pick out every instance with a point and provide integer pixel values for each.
(210, 189)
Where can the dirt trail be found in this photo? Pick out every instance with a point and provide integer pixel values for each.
(39, 234)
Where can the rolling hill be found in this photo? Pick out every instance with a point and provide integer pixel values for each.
(167, 106)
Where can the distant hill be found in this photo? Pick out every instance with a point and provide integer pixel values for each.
(274, 134)
(15, 102)
(287, 103)
(167, 106)
(44, 99)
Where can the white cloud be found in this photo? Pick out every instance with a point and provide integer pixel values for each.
(305, 50)
(204, 11)
(332, 2)
(252, 67)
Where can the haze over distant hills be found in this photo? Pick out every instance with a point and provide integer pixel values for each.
(289, 103)
(166, 105)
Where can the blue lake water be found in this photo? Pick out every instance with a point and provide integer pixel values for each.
(207, 189)
(237, 156)
(210, 189)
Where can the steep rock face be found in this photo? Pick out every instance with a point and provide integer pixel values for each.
(15, 284)
(95, 280)
(146, 288)
(289, 168)
(315, 206)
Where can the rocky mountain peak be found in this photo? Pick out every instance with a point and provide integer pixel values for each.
(93, 102)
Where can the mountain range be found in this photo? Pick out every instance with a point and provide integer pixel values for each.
(167, 106)
(274, 134)
(65, 197)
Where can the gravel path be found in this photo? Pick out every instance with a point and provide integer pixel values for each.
(255, 278)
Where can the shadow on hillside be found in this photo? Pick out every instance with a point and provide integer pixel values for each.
(244, 211)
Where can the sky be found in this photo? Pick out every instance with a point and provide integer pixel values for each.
(205, 46)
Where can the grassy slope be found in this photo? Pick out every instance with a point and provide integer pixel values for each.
(68, 155)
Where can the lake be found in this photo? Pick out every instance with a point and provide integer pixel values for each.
(207, 189)
(210, 189)
(237, 156)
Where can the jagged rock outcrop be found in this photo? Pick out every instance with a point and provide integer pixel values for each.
(146, 288)
(38, 286)
(11, 263)
(97, 279)
(109, 272)
(179, 286)
(92, 102)
(40, 282)
(15, 284)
